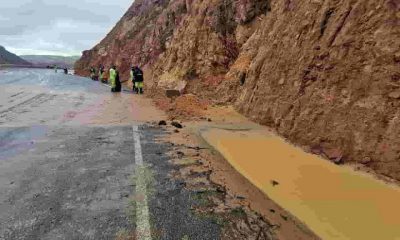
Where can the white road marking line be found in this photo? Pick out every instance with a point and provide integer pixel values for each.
(143, 230)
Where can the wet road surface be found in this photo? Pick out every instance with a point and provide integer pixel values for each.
(69, 170)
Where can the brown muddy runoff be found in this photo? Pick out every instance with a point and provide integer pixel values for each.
(227, 192)
(125, 109)
(335, 202)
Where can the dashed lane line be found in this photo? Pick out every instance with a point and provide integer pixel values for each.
(143, 230)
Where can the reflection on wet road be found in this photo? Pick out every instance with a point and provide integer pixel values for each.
(35, 96)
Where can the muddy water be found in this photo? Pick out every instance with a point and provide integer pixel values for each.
(118, 109)
(335, 202)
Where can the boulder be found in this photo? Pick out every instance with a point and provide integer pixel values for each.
(176, 124)
(395, 94)
(172, 93)
(334, 154)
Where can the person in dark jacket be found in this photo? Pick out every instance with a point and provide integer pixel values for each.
(114, 80)
(101, 73)
(132, 78)
(138, 80)
(117, 83)
(93, 75)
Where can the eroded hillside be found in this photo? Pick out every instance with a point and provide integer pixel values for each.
(323, 73)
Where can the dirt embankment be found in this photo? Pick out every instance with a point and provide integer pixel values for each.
(223, 194)
(324, 74)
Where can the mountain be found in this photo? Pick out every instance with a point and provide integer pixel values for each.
(48, 60)
(322, 73)
(7, 57)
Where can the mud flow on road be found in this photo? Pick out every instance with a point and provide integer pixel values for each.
(334, 201)
(78, 162)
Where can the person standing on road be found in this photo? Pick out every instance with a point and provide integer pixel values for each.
(101, 72)
(132, 72)
(138, 79)
(117, 82)
(114, 79)
(92, 73)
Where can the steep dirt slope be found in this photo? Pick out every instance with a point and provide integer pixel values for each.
(327, 73)
(138, 38)
(184, 39)
(323, 73)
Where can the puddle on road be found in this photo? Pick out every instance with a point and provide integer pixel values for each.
(335, 202)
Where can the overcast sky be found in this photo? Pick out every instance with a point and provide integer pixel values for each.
(57, 27)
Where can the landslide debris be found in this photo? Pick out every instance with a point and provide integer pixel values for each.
(319, 72)
(221, 194)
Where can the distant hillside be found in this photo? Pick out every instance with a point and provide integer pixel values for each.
(7, 57)
(47, 60)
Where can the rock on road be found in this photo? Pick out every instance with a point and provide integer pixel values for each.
(75, 160)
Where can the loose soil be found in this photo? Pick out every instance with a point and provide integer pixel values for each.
(243, 210)
(283, 182)
(120, 109)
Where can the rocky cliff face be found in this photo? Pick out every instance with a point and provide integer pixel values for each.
(138, 38)
(323, 73)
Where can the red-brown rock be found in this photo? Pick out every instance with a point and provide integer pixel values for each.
(338, 59)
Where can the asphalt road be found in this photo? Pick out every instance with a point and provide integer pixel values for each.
(61, 178)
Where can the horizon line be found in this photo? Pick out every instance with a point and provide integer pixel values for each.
(34, 52)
